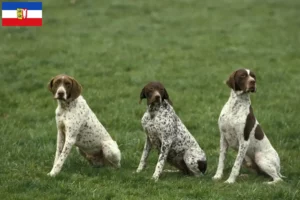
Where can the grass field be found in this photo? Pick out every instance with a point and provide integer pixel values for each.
(113, 48)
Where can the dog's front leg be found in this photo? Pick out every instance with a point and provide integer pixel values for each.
(143, 161)
(59, 144)
(164, 151)
(243, 147)
(69, 142)
(222, 156)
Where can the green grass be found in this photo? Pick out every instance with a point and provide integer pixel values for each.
(113, 48)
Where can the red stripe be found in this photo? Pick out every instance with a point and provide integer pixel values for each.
(22, 22)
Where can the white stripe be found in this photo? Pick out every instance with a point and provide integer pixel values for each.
(13, 14)
(35, 14)
(9, 14)
(248, 71)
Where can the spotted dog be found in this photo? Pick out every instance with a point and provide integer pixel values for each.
(240, 130)
(166, 132)
(78, 125)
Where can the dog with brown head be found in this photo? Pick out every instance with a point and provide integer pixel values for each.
(155, 93)
(240, 130)
(64, 88)
(242, 80)
(77, 125)
(167, 133)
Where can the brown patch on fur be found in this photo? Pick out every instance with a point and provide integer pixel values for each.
(252, 166)
(259, 134)
(231, 81)
(150, 88)
(76, 89)
(73, 88)
(250, 122)
(96, 160)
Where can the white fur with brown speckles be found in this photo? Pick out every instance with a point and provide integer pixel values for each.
(166, 132)
(78, 125)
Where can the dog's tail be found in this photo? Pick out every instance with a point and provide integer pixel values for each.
(202, 165)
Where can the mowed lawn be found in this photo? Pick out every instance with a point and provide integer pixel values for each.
(113, 48)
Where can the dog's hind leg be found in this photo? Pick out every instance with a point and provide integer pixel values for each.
(270, 164)
(251, 165)
(84, 155)
(194, 163)
(95, 160)
(111, 153)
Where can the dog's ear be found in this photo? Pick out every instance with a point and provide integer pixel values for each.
(166, 96)
(76, 89)
(50, 85)
(142, 95)
(231, 81)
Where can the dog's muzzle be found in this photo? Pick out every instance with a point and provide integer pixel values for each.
(156, 98)
(60, 94)
(252, 86)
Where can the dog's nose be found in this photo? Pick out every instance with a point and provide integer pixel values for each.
(60, 94)
(157, 97)
(252, 82)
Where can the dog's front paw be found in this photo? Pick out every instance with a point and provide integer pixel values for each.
(230, 181)
(155, 177)
(139, 170)
(217, 177)
(52, 174)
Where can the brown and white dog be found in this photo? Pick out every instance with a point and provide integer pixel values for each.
(240, 130)
(78, 125)
(166, 132)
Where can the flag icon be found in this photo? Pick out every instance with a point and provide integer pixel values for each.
(22, 14)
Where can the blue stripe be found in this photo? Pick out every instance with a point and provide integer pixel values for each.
(27, 5)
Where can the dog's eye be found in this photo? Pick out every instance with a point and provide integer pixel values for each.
(57, 82)
(151, 88)
(253, 76)
(243, 75)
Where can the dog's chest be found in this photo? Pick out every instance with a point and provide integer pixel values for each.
(61, 118)
(155, 126)
(232, 122)
(152, 132)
